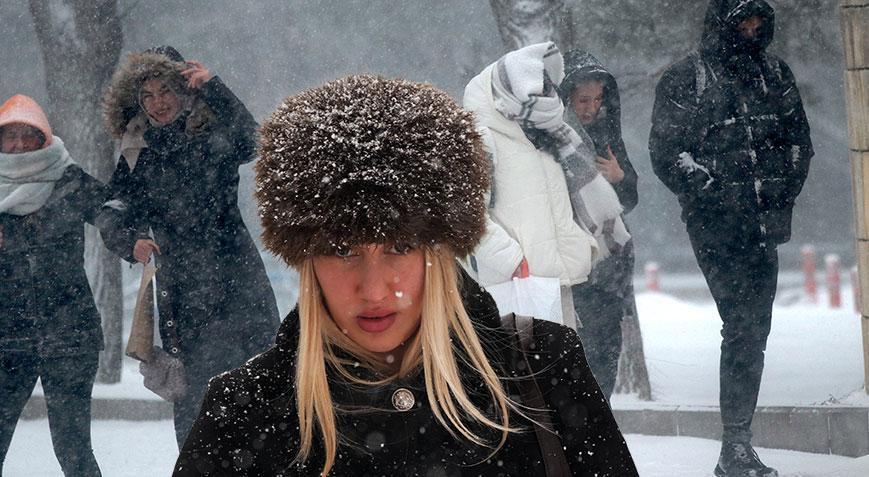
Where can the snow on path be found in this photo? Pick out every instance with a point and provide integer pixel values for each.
(135, 449)
(692, 457)
(814, 355)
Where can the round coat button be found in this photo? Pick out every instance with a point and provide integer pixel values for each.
(403, 400)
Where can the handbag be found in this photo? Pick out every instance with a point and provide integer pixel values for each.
(539, 297)
(163, 373)
(141, 341)
(554, 459)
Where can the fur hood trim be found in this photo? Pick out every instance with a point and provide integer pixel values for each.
(120, 101)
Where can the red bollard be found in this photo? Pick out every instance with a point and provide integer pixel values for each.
(653, 281)
(834, 280)
(810, 284)
(855, 286)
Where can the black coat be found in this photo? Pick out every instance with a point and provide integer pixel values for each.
(249, 426)
(212, 287)
(735, 110)
(46, 304)
(615, 273)
(606, 130)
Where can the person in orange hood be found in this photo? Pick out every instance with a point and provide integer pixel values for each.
(51, 327)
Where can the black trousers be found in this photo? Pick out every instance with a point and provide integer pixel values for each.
(600, 312)
(67, 382)
(742, 278)
(211, 351)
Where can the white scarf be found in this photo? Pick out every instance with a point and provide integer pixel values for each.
(27, 179)
(524, 87)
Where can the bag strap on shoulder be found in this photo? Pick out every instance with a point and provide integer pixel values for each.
(554, 459)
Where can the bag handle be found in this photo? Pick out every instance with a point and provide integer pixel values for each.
(141, 340)
(554, 459)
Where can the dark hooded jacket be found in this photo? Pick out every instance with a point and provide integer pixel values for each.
(46, 304)
(729, 134)
(614, 273)
(249, 425)
(182, 187)
(606, 130)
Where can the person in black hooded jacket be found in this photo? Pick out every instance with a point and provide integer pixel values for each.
(183, 135)
(593, 109)
(394, 361)
(730, 138)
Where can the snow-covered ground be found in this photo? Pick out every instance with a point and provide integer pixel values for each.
(814, 357)
(814, 354)
(136, 449)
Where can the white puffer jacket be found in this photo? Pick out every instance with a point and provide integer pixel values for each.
(532, 216)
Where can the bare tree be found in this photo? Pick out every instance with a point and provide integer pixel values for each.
(633, 376)
(525, 22)
(81, 43)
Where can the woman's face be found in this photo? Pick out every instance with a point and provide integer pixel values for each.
(587, 99)
(19, 138)
(159, 101)
(374, 293)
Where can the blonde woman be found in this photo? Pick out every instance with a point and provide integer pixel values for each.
(394, 361)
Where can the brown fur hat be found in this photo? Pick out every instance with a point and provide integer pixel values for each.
(121, 99)
(364, 160)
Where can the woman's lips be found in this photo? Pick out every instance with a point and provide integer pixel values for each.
(375, 324)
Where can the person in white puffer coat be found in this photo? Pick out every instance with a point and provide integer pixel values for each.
(531, 216)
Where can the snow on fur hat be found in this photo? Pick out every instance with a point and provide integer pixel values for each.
(365, 159)
(121, 100)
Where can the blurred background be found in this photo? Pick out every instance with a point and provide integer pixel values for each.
(268, 49)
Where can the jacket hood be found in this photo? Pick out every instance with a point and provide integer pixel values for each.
(580, 66)
(121, 99)
(24, 110)
(478, 99)
(721, 39)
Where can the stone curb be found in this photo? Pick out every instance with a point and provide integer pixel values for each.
(821, 430)
(107, 409)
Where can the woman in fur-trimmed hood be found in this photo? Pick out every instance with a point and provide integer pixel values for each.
(183, 135)
(394, 362)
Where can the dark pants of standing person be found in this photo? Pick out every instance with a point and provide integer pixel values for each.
(67, 382)
(600, 312)
(205, 357)
(742, 278)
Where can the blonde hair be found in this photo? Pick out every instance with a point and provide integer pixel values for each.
(444, 321)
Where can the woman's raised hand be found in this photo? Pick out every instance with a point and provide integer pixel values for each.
(196, 74)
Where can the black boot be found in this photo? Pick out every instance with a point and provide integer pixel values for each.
(738, 459)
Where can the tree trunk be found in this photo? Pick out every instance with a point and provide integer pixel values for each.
(81, 43)
(526, 22)
(855, 23)
(633, 377)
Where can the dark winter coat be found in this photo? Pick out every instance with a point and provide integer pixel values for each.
(249, 424)
(46, 304)
(729, 134)
(615, 273)
(212, 287)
